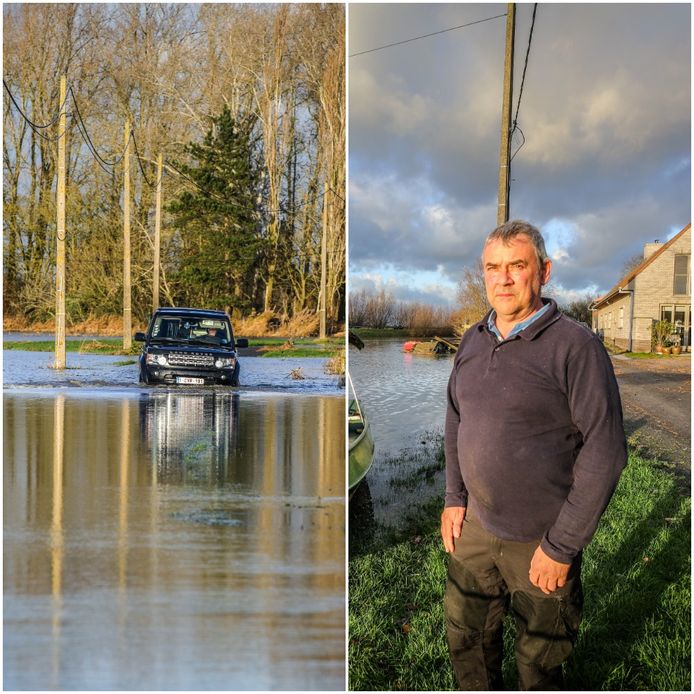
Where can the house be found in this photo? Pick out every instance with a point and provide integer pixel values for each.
(657, 289)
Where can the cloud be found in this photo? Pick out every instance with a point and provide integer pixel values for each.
(605, 113)
(428, 288)
(411, 225)
(390, 101)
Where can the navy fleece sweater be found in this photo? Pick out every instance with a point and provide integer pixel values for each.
(534, 438)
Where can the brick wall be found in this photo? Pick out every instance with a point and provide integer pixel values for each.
(653, 287)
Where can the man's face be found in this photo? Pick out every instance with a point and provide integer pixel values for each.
(513, 278)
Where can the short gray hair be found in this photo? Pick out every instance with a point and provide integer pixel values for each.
(507, 232)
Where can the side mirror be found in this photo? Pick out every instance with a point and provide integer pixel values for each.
(140, 337)
(242, 342)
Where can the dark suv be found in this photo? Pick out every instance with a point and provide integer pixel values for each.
(189, 346)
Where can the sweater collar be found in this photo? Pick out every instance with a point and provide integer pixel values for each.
(548, 316)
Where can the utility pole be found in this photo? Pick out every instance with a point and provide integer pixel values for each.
(127, 311)
(60, 233)
(157, 235)
(502, 212)
(323, 263)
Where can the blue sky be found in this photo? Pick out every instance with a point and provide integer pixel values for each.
(606, 116)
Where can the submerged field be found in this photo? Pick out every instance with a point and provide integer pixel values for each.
(636, 576)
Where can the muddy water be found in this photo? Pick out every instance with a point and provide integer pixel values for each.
(173, 540)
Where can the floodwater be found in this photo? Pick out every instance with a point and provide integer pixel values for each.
(403, 394)
(26, 369)
(404, 398)
(172, 539)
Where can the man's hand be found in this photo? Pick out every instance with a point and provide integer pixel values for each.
(547, 574)
(451, 525)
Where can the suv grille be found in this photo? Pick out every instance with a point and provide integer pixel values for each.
(190, 359)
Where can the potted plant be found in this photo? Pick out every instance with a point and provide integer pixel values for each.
(661, 331)
(675, 347)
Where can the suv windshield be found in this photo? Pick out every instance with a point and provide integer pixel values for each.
(191, 329)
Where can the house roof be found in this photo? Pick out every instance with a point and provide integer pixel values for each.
(638, 269)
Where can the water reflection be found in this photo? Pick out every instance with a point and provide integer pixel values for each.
(404, 394)
(174, 541)
(189, 436)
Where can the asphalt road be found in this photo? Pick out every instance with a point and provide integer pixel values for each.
(656, 399)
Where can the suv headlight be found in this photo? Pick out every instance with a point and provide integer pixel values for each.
(156, 359)
(224, 362)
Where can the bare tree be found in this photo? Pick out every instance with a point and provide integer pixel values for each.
(631, 263)
(471, 296)
(169, 69)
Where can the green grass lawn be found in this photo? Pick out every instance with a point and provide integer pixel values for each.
(636, 576)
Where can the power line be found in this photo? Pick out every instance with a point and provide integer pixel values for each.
(27, 119)
(232, 202)
(35, 127)
(139, 163)
(104, 164)
(424, 36)
(520, 91)
(88, 139)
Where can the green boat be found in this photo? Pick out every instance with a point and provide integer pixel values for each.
(361, 444)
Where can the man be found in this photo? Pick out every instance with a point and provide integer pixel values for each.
(534, 444)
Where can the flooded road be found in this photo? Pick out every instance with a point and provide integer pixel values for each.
(172, 538)
(25, 369)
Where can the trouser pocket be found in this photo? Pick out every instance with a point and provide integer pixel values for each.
(547, 628)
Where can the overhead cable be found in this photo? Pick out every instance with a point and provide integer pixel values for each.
(525, 67)
(139, 162)
(424, 36)
(118, 159)
(27, 119)
(34, 127)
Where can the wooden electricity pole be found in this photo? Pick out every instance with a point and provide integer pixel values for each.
(157, 236)
(323, 264)
(127, 311)
(502, 212)
(60, 233)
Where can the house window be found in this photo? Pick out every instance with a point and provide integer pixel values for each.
(681, 281)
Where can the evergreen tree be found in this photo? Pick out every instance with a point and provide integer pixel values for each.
(218, 220)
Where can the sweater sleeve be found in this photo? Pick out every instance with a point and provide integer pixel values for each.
(596, 411)
(456, 494)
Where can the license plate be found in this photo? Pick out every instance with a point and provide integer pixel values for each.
(187, 380)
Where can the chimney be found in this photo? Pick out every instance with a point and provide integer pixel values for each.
(650, 248)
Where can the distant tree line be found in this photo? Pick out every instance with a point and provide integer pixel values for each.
(380, 309)
(247, 104)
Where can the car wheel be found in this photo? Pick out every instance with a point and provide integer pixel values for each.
(235, 376)
(143, 376)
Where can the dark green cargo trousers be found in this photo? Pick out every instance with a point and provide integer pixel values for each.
(486, 577)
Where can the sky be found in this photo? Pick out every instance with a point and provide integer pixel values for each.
(606, 163)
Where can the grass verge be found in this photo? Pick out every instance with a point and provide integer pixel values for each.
(651, 355)
(106, 345)
(636, 576)
(305, 347)
(272, 347)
